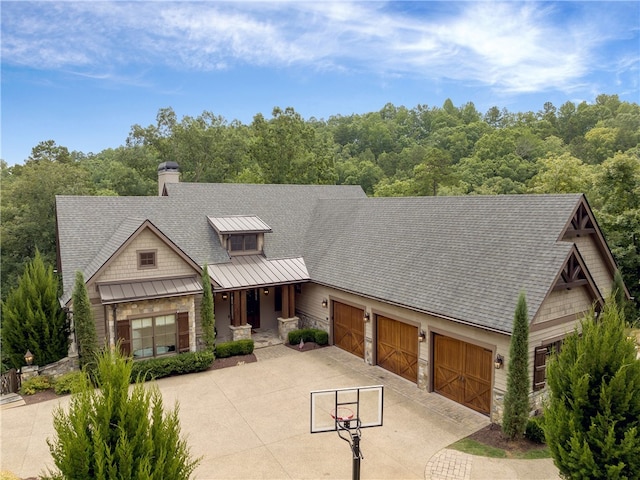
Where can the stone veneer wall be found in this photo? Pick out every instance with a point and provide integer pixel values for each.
(536, 404)
(155, 307)
(307, 321)
(59, 368)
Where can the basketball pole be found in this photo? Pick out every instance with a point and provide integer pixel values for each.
(356, 457)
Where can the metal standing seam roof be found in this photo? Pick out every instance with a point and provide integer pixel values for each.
(255, 270)
(238, 224)
(148, 289)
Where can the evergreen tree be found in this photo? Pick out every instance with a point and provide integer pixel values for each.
(592, 421)
(516, 400)
(32, 318)
(620, 297)
(83, 322)
(113, 432)
(206, 311)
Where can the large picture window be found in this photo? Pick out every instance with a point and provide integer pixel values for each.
(153, 336)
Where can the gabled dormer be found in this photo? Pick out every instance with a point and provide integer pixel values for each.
(240, 234)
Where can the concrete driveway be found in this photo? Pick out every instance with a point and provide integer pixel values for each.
(252, 421)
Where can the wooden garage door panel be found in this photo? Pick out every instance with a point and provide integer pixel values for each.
(397, 347)
(447, 367)
(462, 372)
(348, 328)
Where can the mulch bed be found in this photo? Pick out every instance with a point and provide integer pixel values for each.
(305, 347)
(219, 363)
(492, 436)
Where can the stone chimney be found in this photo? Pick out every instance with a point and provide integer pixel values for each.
(168, 172)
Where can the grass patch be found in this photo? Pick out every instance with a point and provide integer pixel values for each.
(474, 447)
(534, 454)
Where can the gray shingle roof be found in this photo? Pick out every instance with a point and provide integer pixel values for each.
(465, 258)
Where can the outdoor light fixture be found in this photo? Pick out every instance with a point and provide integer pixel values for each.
(324, 303)
(225, 295)
(366, 316)
(28, 357)
(499, 362)
(422, 336)
(266, 291)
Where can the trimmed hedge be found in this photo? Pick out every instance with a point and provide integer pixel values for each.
(534, 431)
(308, 335)
(236, 347)
(188, 362)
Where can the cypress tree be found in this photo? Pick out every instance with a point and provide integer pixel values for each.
(206, 311)
(84, 323)
(114, 432)
(32, 318)
(592, 420)
(516, 400)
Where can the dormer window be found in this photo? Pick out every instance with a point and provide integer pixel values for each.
(241, 234)
(243, 243)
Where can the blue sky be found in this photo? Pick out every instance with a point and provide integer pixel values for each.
(82, 73)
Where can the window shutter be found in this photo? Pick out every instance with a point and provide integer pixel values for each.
(540, 367)
(183, 332)
(124, 336)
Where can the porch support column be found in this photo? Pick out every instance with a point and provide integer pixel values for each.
(292, 300)
(243, 307)
(285, 302)
(236, 302)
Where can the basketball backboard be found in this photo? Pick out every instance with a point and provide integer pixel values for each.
(363, 406)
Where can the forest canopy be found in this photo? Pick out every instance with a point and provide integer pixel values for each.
(396, 151)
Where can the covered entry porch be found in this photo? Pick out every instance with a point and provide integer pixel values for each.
(243, 313)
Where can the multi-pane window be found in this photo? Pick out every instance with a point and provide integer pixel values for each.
(147, 259)
(153, 336)
(243, 243)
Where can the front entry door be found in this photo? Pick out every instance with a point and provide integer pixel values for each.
(253, 308)
(462, 372)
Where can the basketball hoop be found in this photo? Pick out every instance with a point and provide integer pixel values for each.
(343, 417)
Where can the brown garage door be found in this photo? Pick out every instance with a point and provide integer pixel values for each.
(462, 372)
(348, 328)
(397, 349)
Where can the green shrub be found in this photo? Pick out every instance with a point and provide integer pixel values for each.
(308, 335)
(322, 337)
(534, 430)
(233, 348)
(71, 382)
(188, 362)
(35, 384)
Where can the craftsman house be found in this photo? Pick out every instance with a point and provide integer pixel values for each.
(423, 287)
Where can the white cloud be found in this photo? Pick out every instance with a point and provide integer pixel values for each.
(516, 47)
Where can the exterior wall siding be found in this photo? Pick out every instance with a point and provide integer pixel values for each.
(561, 303)
(595, 263)
(125, 266)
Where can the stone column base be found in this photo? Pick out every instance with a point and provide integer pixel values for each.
(242, 332)
(28, 372)
(286, 325)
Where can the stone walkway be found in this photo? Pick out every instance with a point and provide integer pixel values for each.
(449, 465)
